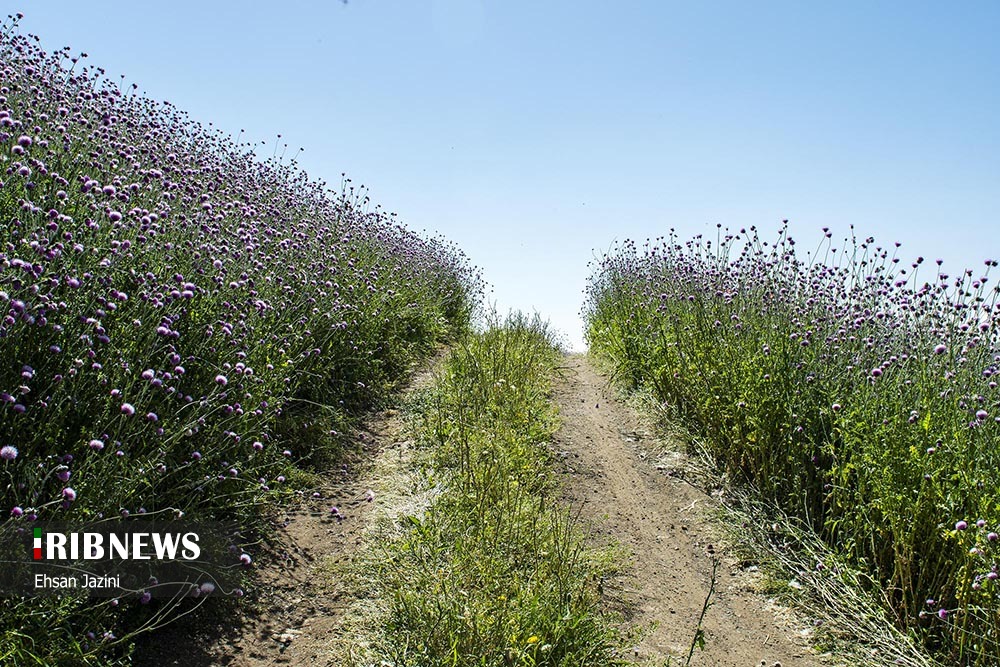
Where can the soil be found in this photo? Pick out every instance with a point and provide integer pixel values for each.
(611, 476)
(611, 479)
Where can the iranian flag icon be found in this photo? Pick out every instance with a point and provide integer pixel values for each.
(38, 544)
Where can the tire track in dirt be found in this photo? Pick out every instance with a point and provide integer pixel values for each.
(299, 615)
(657, 519)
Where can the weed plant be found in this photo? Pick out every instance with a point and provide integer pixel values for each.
(495, 572)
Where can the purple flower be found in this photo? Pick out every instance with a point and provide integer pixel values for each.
(8, 452)
(69, 494)
(961, 525)
(876, 372)
(96, 445)
(221, 380)
(981, 415)
(16, 512)
(128, 409)
(245, 559)
(145, 597)
(941, 348)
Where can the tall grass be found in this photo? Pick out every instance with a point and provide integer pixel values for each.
(182, 324)
(495, 572)
(855, 391)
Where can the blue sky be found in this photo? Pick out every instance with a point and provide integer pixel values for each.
(535, 134)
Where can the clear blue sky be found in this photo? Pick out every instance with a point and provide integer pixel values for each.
(537, 133)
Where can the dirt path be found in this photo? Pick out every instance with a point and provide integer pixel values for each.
(657, 518)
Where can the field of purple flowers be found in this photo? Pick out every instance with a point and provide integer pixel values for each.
(182, 325)
(854, 390)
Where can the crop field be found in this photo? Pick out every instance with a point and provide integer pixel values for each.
(855, 391)
(184, 326)
(769, 455)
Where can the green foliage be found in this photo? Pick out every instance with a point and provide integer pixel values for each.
(495, 572)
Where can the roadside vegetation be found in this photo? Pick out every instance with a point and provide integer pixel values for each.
(184, 326)
(853, 392)
(494, 570)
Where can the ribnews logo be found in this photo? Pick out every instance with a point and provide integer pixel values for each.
(121, 557)
(132, 546)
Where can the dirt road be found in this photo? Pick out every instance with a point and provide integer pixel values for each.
(610, 475)
(298, 617)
